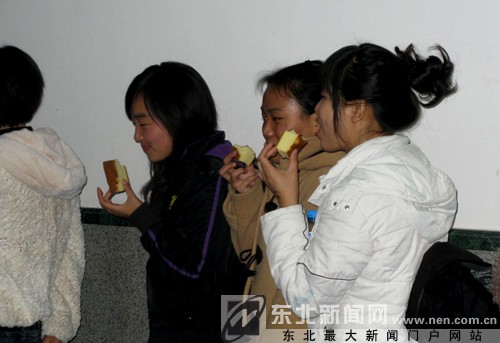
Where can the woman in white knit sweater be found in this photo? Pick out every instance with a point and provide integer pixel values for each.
(41, 237)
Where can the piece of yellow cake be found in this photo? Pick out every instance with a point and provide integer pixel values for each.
(245, 154)
(289, 141)
(115, 174)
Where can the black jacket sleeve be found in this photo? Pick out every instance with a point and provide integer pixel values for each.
(143, 218)
(189, 238)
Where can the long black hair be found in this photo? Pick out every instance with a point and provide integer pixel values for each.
(178, 97)
(396, 85)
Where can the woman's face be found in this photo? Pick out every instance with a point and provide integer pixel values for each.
(154, 139)
(326, 133)
(281, 112)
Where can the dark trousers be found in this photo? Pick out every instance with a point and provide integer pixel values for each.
(29, 334)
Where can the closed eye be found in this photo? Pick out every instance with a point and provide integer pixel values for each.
(140, 119)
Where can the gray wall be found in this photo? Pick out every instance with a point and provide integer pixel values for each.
(114, 307)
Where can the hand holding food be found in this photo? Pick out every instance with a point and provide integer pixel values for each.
(117, 178)
(244, 154)
(284, 183)
(239, 169)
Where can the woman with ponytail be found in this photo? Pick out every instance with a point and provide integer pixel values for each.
(380, 207)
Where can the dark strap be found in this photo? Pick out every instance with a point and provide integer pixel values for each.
(247, 258)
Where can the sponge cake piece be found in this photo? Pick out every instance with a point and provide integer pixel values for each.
(289, 141)
(115, 174)
(244, 154)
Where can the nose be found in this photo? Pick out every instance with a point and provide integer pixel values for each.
(137, 134)
(267, 129)
(316, 108)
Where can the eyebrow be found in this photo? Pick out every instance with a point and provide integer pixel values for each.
(271, 110)
(138, 116)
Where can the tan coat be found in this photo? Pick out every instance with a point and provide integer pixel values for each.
(243, 212)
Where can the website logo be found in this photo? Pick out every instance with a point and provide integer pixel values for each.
(240, 317)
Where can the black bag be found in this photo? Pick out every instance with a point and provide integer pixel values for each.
(448, 289)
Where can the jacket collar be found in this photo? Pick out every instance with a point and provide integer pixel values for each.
(11, 129)
(200, 147)
(362, 153)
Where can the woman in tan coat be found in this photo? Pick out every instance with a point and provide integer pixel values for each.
(288, 102)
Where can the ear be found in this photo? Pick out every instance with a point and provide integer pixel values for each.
(313, 120)
(357, 110)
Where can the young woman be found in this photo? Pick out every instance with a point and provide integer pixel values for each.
(290, 97)
(192, 261)
(41, 235)
(380, 208)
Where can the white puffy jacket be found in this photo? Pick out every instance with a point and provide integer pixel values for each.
(380, 209)
(41, 236)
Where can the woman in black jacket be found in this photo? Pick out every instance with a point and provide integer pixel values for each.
(192, 261)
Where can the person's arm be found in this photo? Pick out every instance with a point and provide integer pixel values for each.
(242, 212)
(283, 231)
(242, 179)
(242, 206)
(65, 291)
(183, 241)
(283, 183)
(322, 273)
(143, 218)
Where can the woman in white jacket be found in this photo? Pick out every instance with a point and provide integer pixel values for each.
(41, 236)
(380, 208)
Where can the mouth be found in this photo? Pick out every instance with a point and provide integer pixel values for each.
(273, 141)
(145, 148)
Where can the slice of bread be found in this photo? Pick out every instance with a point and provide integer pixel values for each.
(115, 174)
(245, 154)
(289, 141)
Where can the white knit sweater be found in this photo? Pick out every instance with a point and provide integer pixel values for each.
(41, 237)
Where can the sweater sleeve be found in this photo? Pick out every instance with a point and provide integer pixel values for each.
(65, 291)
(242, 212)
